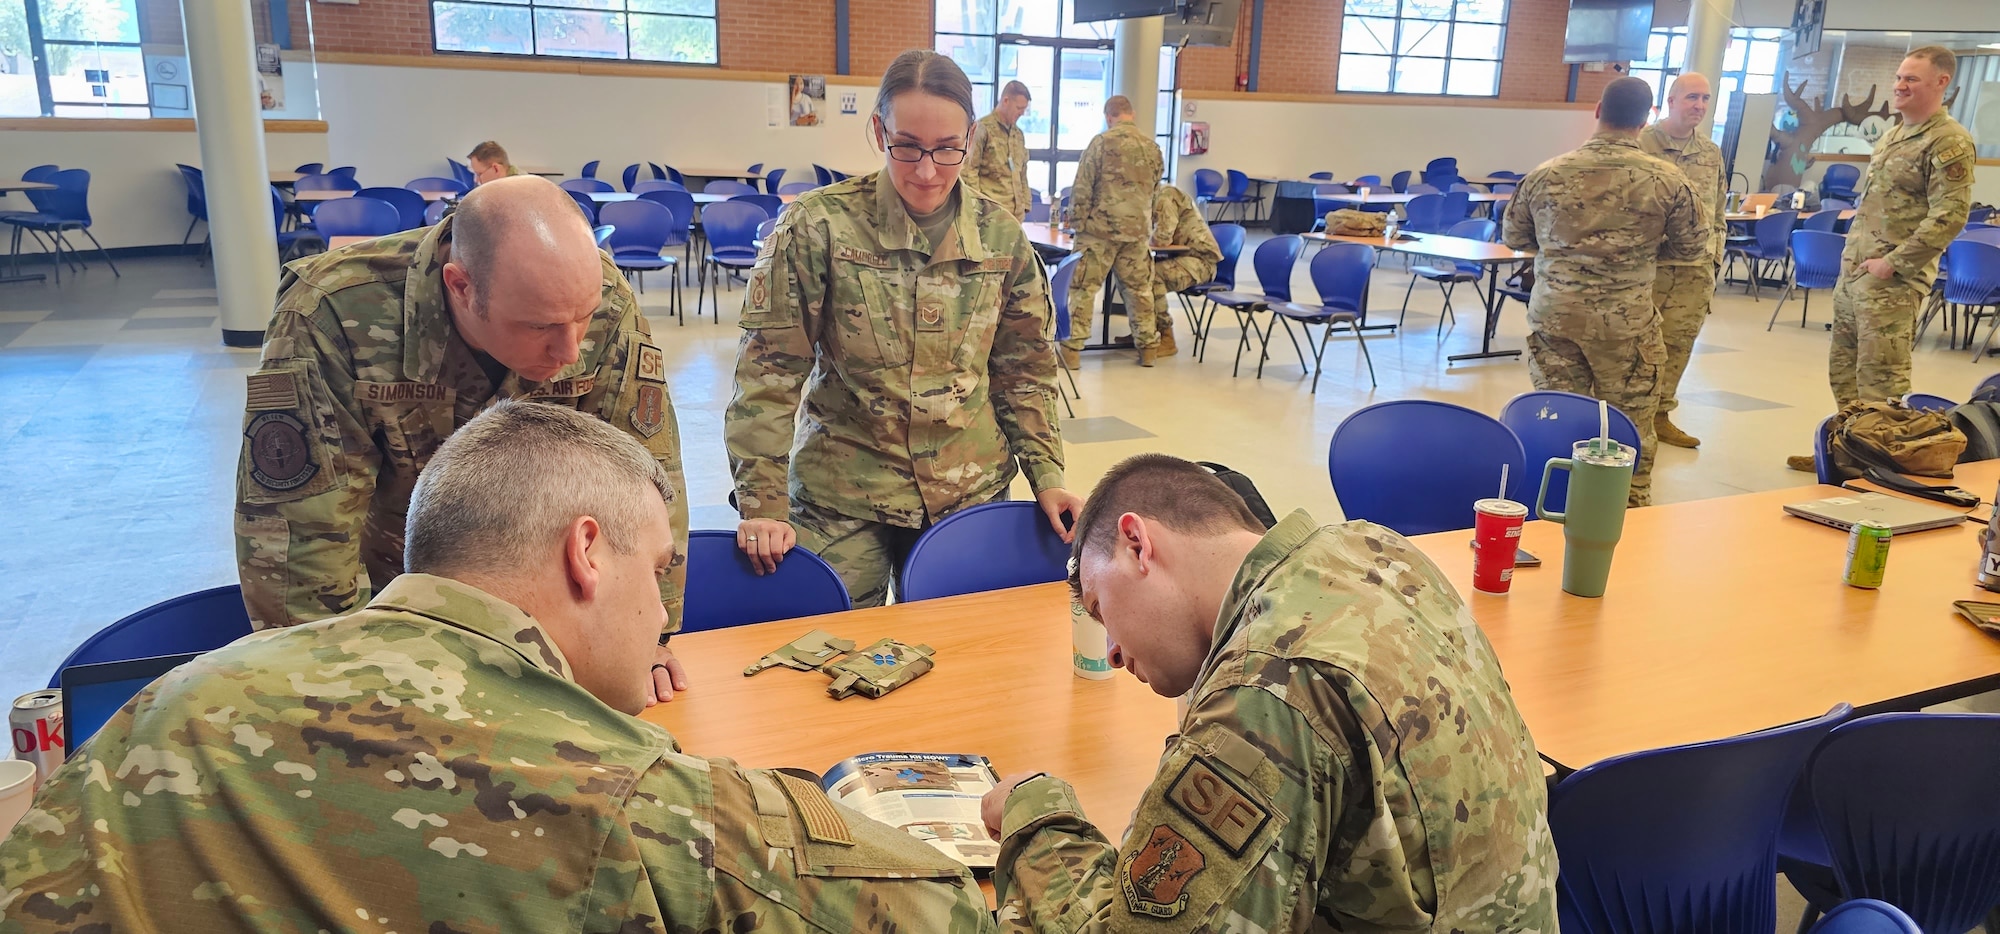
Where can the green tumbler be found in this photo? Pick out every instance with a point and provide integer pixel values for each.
(1600, 479)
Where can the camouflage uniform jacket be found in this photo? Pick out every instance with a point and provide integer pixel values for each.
(1914, 198)
(1350, 755)
(1700, 160)
(1113, 193)
(926, 372)
(426, 764)
(998, 164)
(1177, 223)
(363, 377)
(1601, 217)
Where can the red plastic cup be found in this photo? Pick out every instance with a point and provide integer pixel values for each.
(1496, 534)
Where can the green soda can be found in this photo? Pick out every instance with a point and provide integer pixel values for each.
(1867, 555)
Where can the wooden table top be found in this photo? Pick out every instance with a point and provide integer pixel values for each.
(1048, 235)
(330, 195)
(1391, 197)
(700, 197)
(1725, 616)
(541, 170)
(338, 242)
(1846, 215)
(285, 178)
(1003, 688)
(6, 186)
(1438, 245)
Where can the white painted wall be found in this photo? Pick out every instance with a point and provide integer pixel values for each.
(1904, 15)
(396, 124)
(1297, 139)
(136, 195)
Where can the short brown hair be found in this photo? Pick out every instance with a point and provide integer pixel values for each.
(1118, 106)
(489, 152)
(1015, 89)
(1940, 58)
(926, 71)
(1625, 103)
(1179, 494)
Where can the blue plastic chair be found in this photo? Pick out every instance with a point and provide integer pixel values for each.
(1273, 261)
(1417, 466)
(1324, 204)
(1449, 275)
(195, 622)
(1900, 807)
(311, 168)
(1423, 213)
(326, 183)
(643, 230)
(838, 175)
(409, 205)
(289, 241)
(773, 181)
(657, 185)
(822, 176)
(723, 591)
(1441, 172)
(1822, 455)
(631, 174)
(772, 204)
(1679, 839)
(38, 173)
(357, 217)
(586, 185)
(1236, 192)
(1229, 238)
(1321, 176)
(1208, 185)
(1925, 402)
(437, 183)
(986, 547)
(1767, 244)
(1400, 181)
(585, 203)
(590, 171)
(1866, 916)
(1972, 283)
(197, 200)
(1815, 265)
(679, 201)
(1368, 181)
(434, 212)
(460, 172)
(1340, 273)
(1839, 182)
(731, 227)
(57, 212)
(1421, 188)
(346, 172)
(1823, 221)
(728, 186)
(1549, 424)
(1457, 207)
(602, 234)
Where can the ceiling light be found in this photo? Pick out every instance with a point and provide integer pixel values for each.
(1991, 45)
(1899, 35)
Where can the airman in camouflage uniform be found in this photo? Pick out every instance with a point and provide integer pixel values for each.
(1176, 222)
(428, 763)
(1349, 755)
(363, 376)
(925, 372)
(1111, 204)
(997, 164)
(1600, 218)
(1684, 289)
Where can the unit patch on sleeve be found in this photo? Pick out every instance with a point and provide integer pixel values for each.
(650, 414)
(280, 459)
(1219, 805)
(1156, 878)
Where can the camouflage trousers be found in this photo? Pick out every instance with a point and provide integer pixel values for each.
(867, 554)
(1874, 323)
(1683, 295)
(1625, 373)
(1133, 262)
(1172, 275)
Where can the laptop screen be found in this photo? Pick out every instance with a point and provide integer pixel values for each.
(93, 694)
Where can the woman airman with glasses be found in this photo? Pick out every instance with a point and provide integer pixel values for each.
(896, 365)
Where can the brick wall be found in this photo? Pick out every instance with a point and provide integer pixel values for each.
(1531, 66)
(790, 36)
(878, 31)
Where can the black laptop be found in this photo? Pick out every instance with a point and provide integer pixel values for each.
(93, 694)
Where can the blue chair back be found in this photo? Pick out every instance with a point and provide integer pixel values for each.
(1839, 177)
(311, 168)
(1239, 184)
(437, 183)
(774, 180)
(1549, 424)
(678, 201)
(1482, 229)
(1340, 274)
(1905, 805)
(1679, 839)
(728, 186)
(1866, 916)
(723, 591)
(342, 171)
(822, 176)
(1401, 181)
(731, 226)
(326, 183)
(1771, 230)
(987, 547)
(643, 227)
(1925, 402)
(1417, 466)
(197, 193)
(1457, 207)
(1059, 291)
(459, 171)
(602, 234)
(41, 173)
(1821, 220)
(588, 206)
(409, 205)
(1815, 257)
(196, 622)
(1980, 215)
(586, 185)
(1422, 188)
(357, 217)
(1228, 237)
(1972, 272)
(766, 229)
(631, 175)
(590, 170)
(795, 188)
(656, 184)
(1424, 213)
(1822, 456)
(1836, 205)
(434, 212)
(772, 204)
(1369, 180)
(1207, 184)
(1273, 261)
(70, 201)
(1321, 176)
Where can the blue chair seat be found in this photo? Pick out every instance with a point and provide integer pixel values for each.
(1444, 273)
(723, 590)
(735, 256)
(987, 547)
(629, 259)
(1235, 299)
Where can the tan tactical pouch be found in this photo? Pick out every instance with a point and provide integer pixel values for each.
(1888, 436)
(1348, 222)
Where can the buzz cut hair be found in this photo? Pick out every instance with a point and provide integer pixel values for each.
(502, 490)
(1119, 105)
(489, 152)
(1941, 58)
(1179, 494)
(1015, 89)
(1625, 103)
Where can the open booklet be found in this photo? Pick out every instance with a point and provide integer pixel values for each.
(931, 796)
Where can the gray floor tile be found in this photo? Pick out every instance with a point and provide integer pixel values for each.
(9, 331)
(1732, 401)
(185, 293)
(1101, 428)
(29, 316)
(178, 311)
(164, 324)
(1702, 347)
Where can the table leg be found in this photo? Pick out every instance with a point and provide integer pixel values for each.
(1104, 307)
(1493, 306)
(14, 264)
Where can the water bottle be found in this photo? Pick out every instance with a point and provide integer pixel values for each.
(1989, 561)
(1389, 229)
(1799, 200)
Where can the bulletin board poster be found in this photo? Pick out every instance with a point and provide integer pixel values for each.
(808, 99)
(270, 77)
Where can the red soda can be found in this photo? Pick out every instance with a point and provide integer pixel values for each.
(37, 728)
(1496, 534)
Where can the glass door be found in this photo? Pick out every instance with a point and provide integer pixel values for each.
(1069, 80)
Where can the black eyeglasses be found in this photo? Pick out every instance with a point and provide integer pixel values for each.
(943, 155)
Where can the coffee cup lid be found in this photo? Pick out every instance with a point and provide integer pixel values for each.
(1500, 507)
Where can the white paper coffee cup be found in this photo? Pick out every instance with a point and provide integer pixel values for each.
(17, 792)
(1090, 652)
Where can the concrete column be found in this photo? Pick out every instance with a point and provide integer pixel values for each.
(1138, 60)
(222, 63)
(1708, 39)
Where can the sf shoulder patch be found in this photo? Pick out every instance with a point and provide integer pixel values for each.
(650, 414)
(1220, 806)
(1155, 879)
(280, 458)
(652, 365)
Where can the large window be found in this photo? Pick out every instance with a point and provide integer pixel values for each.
(1750, 65)
(639, 30)
(71, 58)
(1422, 47)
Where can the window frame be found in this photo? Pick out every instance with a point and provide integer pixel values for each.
(38, 54)
(1451, 24)
(1671, 68)
(531, 6)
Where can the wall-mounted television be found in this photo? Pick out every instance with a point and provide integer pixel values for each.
(1092, 11)
(1202, 22)
(1607, 30)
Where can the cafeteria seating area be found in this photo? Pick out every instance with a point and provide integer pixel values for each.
(122, 408)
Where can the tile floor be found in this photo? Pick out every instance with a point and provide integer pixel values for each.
(120, 412)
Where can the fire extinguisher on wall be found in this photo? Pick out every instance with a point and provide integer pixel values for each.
(1242, 81)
